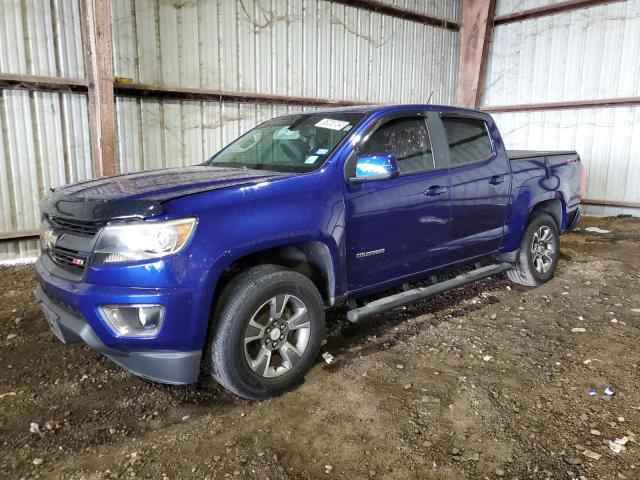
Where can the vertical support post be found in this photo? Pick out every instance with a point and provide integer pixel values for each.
(98, 59)
(475, 33)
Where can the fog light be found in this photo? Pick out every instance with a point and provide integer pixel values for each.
(133, 320)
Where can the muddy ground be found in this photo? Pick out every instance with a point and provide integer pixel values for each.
(487, 381)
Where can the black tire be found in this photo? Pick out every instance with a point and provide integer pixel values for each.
(248, 295)
(527, 270)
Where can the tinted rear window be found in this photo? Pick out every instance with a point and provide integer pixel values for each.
(468, 140)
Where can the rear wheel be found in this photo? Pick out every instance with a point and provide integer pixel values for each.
(539, 252)
(269, 326)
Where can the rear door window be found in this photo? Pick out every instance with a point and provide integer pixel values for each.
(468, 140)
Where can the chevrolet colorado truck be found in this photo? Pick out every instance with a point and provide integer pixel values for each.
(229, 266)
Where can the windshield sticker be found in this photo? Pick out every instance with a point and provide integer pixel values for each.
(311, 159)
(322, 151)
(332, 124)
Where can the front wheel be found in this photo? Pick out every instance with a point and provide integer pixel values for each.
(268, 331)
(539, 252)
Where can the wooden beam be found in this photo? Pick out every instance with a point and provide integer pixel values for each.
(47, 84)
(610, 203)
(387, 9)
(475, 32)
(19, 235)
(549, 10)
(569, 105)
(96, 28)
(181, 93)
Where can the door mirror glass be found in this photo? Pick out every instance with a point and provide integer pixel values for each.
(375, 167)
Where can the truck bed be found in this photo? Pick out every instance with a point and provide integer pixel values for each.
(524, 154)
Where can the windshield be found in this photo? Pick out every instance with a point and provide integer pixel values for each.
(296, 143)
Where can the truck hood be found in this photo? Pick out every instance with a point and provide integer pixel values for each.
(141, 194)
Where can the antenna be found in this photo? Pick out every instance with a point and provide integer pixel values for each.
(429, 99)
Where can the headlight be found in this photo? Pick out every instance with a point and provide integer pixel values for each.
(131, 242)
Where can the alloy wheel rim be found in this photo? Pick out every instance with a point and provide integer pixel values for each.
(543, 249)
(277, 335)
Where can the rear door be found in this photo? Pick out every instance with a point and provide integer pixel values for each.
(480, 186)
(397, 227)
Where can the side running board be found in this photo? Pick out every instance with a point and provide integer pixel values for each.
(411, 296)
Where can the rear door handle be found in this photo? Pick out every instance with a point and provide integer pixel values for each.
(435, 191)
(496, 180)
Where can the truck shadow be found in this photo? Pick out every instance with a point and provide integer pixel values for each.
(347, 341)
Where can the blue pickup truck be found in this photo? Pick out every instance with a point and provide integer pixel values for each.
(229, 266)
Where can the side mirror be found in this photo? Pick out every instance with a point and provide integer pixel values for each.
(375, 167)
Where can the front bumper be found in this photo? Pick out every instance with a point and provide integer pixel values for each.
(172, 356)
(165, 367)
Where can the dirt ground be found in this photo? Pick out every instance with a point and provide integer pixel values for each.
(487, 381)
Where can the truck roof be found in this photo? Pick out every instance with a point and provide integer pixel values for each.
(370, 108)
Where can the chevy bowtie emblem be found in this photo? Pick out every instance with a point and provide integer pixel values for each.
(49, 238)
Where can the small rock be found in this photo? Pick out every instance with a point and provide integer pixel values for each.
(328, 469)
(621, 419)
(455, 451)
(578, 330)
(573, 460)
(399, 366)
(487, 358)
(185, 418)
(595, 432)
(38, 461)
(499, 472)
(11, 336)
(591, 454)
(407, 386)
(584, 417)
(493, 316)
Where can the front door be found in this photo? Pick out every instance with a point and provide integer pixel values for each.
(397, 227)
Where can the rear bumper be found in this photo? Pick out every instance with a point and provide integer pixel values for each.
(68, 324)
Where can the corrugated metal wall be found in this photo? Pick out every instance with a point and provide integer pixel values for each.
(45, 136)
(587, 54)
(311, 48)
(505, 7)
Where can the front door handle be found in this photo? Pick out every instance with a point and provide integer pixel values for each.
(435, 191)
(496, 180)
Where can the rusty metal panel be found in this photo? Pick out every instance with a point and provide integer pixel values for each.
(607, 139)
(41, 38)
(308, 48)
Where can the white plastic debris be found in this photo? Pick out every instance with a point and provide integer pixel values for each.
(328, 358)
(487, 358)
(617, 445)
(596, 230)
(34, 428)
(578, 330)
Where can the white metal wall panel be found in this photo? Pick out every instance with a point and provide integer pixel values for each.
(41, 38)
(450, 10)
(607, 139)
(169, 133)
(505, 7)
(585, 54)
(45, 143)
(312, 48)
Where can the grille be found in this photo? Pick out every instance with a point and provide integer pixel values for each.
(76, 226)
(68, 259)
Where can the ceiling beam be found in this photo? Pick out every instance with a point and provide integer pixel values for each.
(96, 29)
(475, 32)
(384, 8)
(549, 10)
(568, 105)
